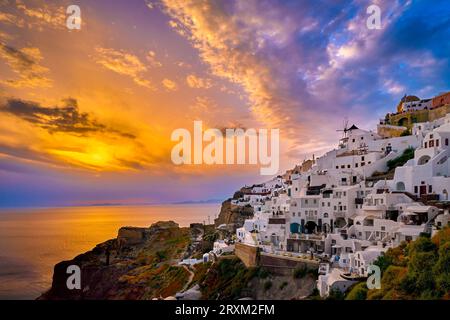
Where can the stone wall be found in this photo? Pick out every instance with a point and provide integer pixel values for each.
(284, 265)
(131, 235)
(388, 131)
(247, 254)
(407, 119)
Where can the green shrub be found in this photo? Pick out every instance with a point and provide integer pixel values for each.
(300, 272)
(335, 294)
(161, 255)
(358, 292)
(401, 160)
(267, 285)
(263, 273)
(283, 285)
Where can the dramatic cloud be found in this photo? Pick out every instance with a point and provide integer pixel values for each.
(26, 63)
(123, 63)
(33, 15)
(151, 58)
(302, 62)
(44, 15)
(194, 81)
(66, 118)
(169, 85)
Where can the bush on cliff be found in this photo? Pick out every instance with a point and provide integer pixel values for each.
(401, 160)
(226, 279)
(358, 292)
(418, 270)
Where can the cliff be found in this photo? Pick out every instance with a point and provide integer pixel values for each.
(141, 263)
(233, 216)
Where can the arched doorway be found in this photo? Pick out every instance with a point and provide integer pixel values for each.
(274, 239)
(340, 223)
(423, 160)
(295, 227)
(403, 122)
(400, 186)
(310, 226)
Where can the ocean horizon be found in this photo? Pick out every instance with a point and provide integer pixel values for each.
(33, 240)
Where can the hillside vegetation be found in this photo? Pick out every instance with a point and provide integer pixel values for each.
(418, 270)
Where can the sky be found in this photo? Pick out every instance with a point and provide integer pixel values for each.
(86, 116)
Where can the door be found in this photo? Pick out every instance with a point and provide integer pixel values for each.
(423, 190)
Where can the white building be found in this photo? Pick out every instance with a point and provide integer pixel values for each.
(417, 105)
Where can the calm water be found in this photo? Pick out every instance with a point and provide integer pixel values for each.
(32, 241)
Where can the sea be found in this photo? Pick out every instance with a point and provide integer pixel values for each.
(33, 240)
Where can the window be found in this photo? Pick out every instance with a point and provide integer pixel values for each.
(337, 167)
(362, 158)
(437, 142)
(431, 143)
(363, 164)
(446, 141)
(348, 166)
(426, 144)
(430, 188)
(431, 136)
(356, 165)
(416, 189)
(342, 166)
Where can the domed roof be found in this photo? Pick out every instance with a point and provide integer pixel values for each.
(406, 99)
(409, 98)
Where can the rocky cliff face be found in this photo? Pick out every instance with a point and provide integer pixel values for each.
(232, 216)
(141, 263)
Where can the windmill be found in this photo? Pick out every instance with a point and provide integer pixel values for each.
(344, 131)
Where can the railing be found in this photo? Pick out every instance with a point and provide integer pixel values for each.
(339, 214)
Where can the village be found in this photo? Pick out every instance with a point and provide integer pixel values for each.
(339, 212)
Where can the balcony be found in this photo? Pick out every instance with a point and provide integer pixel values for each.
(277, 220)
(305, 236)
(374, 207)
(339, 214)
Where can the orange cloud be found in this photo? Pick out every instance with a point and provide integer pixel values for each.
(170, 85)
(194, 81)
(26, 63)
(123, 63)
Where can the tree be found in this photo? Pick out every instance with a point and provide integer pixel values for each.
(358, 292)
